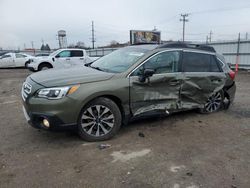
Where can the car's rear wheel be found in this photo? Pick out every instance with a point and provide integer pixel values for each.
(99, 120)
(214, 103)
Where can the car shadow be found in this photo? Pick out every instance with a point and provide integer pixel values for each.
(70, 138)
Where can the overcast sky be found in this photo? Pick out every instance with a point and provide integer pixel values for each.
(23, 21)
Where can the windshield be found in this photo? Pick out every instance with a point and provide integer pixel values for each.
(119, 60)
(54, 53)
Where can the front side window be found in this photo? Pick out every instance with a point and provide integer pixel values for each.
(76, 53)
(65, 53)
(165, 62)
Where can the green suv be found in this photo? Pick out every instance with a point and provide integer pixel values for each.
(141, 80)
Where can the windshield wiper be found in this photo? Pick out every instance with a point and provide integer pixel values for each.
(97, 68)
(88, 64)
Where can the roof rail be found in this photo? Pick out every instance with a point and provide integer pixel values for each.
(187, 45)
(143, 43)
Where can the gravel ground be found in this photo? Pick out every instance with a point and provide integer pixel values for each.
(183, 150)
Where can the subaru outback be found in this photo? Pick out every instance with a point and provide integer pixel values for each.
(134, 81)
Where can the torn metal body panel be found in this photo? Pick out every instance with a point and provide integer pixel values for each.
(174, 91)
(196, 88)
(159, 92)
(229, 92)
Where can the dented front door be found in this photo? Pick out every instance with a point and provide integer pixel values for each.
(160, 92)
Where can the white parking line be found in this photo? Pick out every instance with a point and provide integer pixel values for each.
(9, 102)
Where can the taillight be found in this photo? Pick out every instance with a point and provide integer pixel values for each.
(232, 74)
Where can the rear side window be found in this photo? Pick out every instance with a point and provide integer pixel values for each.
(198, 62)
(20, 56)
(76, 53)
(214, 64)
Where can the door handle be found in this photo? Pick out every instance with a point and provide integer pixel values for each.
(174, 82)
(67, 59)
(216, 80)
(81, 58)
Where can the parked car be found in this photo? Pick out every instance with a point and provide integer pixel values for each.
(63, 58)
(42, 55)
(14, 60)
(131, 82)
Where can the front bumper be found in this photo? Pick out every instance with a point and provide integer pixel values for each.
(61, 114)
(36, 121)
(32, 66)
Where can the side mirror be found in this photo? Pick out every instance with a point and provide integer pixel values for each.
(146, 74)
(57, 56)
(53, 59)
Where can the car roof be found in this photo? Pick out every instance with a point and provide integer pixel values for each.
(201, 48)
(188, 45)
(71, 49)
(144, 46)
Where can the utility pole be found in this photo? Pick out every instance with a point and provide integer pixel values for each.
(183, 20)
(237, 55)
(32, 44)
(207, 38)
(246, 36)
(93, 35)
(210, 36)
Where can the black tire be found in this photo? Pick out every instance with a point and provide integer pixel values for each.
(105, 113)
(44, 66)
(214, 103)
(26, 64)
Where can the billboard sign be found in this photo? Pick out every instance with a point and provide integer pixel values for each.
(140, 36)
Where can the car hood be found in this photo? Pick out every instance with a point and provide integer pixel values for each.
(63, 77)
(42, 58)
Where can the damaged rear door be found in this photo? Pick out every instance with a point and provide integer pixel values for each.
(160, 91)
(202, 77)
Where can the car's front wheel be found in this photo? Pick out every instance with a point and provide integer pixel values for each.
(44, 66)
(26, 64)
(99, 120)
(214, 103)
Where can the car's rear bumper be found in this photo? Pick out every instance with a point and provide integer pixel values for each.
(230, 91)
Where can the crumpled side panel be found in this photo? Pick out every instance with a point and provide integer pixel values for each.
(197, 88)
(155, 94)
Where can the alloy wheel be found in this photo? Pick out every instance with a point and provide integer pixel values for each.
(214, 102)
(97, 120)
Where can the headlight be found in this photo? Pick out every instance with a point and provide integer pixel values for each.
(56, 92)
